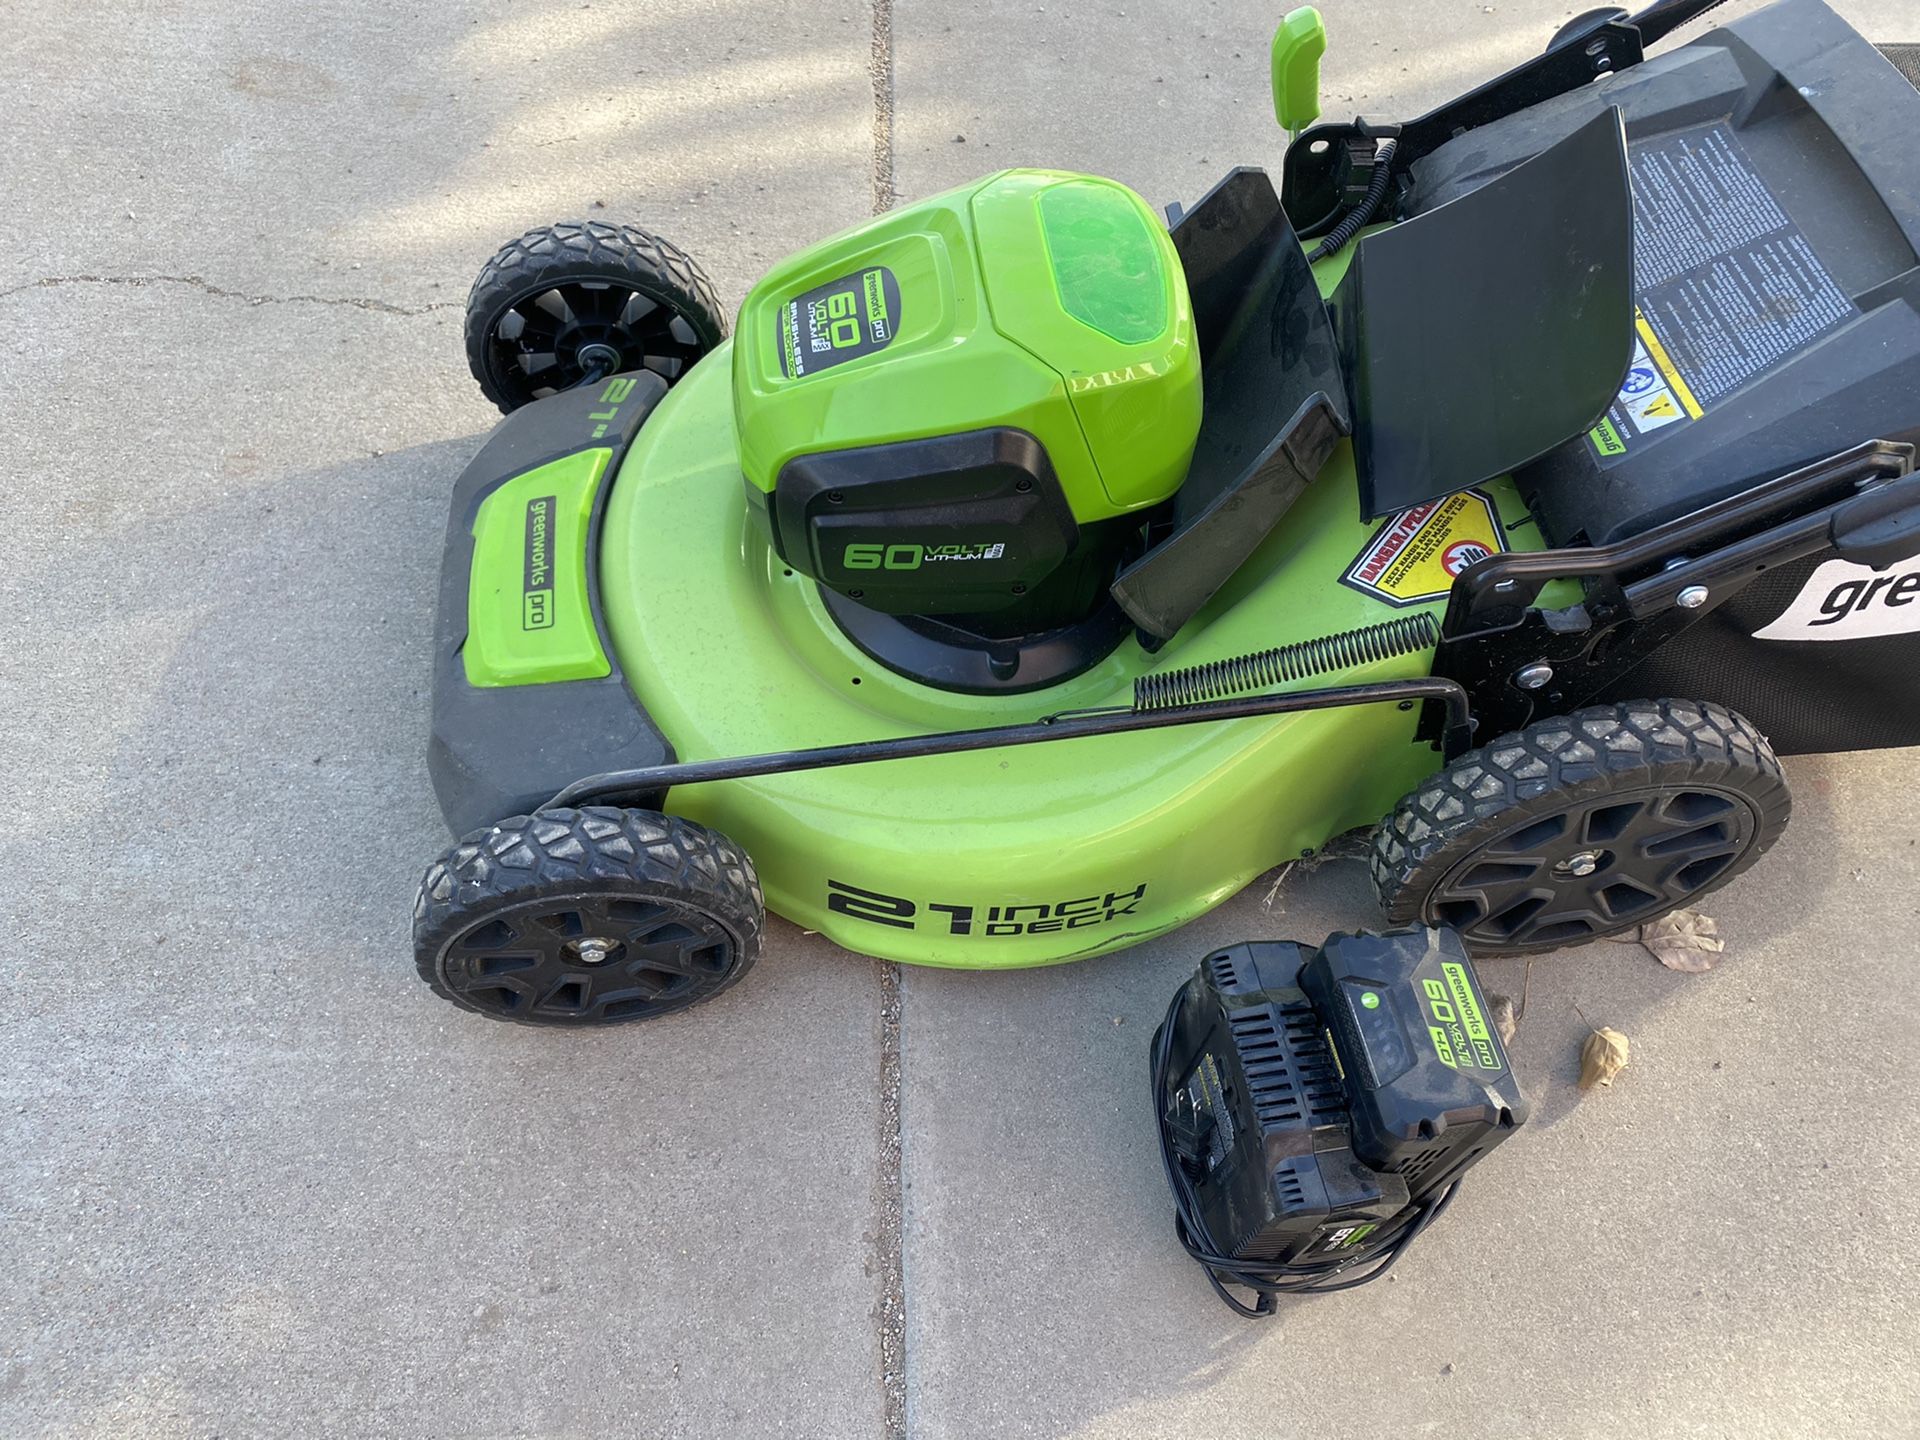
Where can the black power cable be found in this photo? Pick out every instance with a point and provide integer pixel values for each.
(1357, 218)
(1367, 1262)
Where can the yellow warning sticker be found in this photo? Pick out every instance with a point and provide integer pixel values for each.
(1668, 370)
(1414, 557)
(1653, 396)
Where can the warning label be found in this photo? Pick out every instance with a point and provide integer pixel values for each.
(1728, 287)
(1413, 558)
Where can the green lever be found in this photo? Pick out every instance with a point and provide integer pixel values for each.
(1297, 47)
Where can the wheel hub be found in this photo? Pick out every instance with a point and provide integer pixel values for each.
(598, 355)
(588, 957)
(1594, 868)
(1584, 863)
(555, 338)
(596, 950)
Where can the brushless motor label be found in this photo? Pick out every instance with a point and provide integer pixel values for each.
(839, 321)
(1728, 286)
(1412, 559)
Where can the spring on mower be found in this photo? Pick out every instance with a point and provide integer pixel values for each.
(1218, 679)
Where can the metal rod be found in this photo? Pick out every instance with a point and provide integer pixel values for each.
(654, 779)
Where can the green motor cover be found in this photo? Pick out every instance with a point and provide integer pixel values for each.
(1036, 300)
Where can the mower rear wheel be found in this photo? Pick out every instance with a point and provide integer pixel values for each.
(587, 917)
(569, 304)
(1582, 826)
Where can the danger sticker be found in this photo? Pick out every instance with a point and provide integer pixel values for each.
(1414, 557)
(1844, 601)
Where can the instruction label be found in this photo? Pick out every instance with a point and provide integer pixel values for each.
(1728, 286)
(1413, 558)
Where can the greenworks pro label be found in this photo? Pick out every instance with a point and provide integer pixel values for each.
(839, 321)
(536, 590)
(1457, 1022)
(529, 617)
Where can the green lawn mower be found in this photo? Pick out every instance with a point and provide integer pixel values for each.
(1029, 570)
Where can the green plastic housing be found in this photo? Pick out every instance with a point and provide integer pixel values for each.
(529, 621)
(1038, 299)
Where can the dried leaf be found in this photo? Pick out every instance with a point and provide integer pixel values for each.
(1504, 1022)
(1684, 940)
(1603, 1056)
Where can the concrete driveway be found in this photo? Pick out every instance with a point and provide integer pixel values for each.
(256, 1180)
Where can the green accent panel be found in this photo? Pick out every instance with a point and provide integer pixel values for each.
(1138, 404)
(1298, 44)
(529, 621)
(1106, 266)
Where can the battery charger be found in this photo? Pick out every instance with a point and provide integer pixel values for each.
(1317, 1108)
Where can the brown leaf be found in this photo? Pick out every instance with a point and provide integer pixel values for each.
(1684, 940)
(1603, 1056)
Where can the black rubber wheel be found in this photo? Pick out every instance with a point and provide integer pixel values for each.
(587, 917)
(568, 304)
(1582, 825)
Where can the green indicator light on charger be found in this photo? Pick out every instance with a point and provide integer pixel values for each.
(1370, 999)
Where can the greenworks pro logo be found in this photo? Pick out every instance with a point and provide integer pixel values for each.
(536, 598)
(912, 557)
(1458, 1026)
(842, 320)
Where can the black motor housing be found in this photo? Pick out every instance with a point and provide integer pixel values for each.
(1319, 1102)
(966, 525)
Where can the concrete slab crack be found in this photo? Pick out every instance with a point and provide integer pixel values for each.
(880, 70)
(888, 1205)
(207, 287)
(888, 1189)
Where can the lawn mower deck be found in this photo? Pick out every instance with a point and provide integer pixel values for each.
(1024, 577)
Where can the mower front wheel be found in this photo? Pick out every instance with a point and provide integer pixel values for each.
(1582, 826)
(566, 305)
(587, 917)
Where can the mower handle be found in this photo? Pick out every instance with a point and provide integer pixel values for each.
(653, 781)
